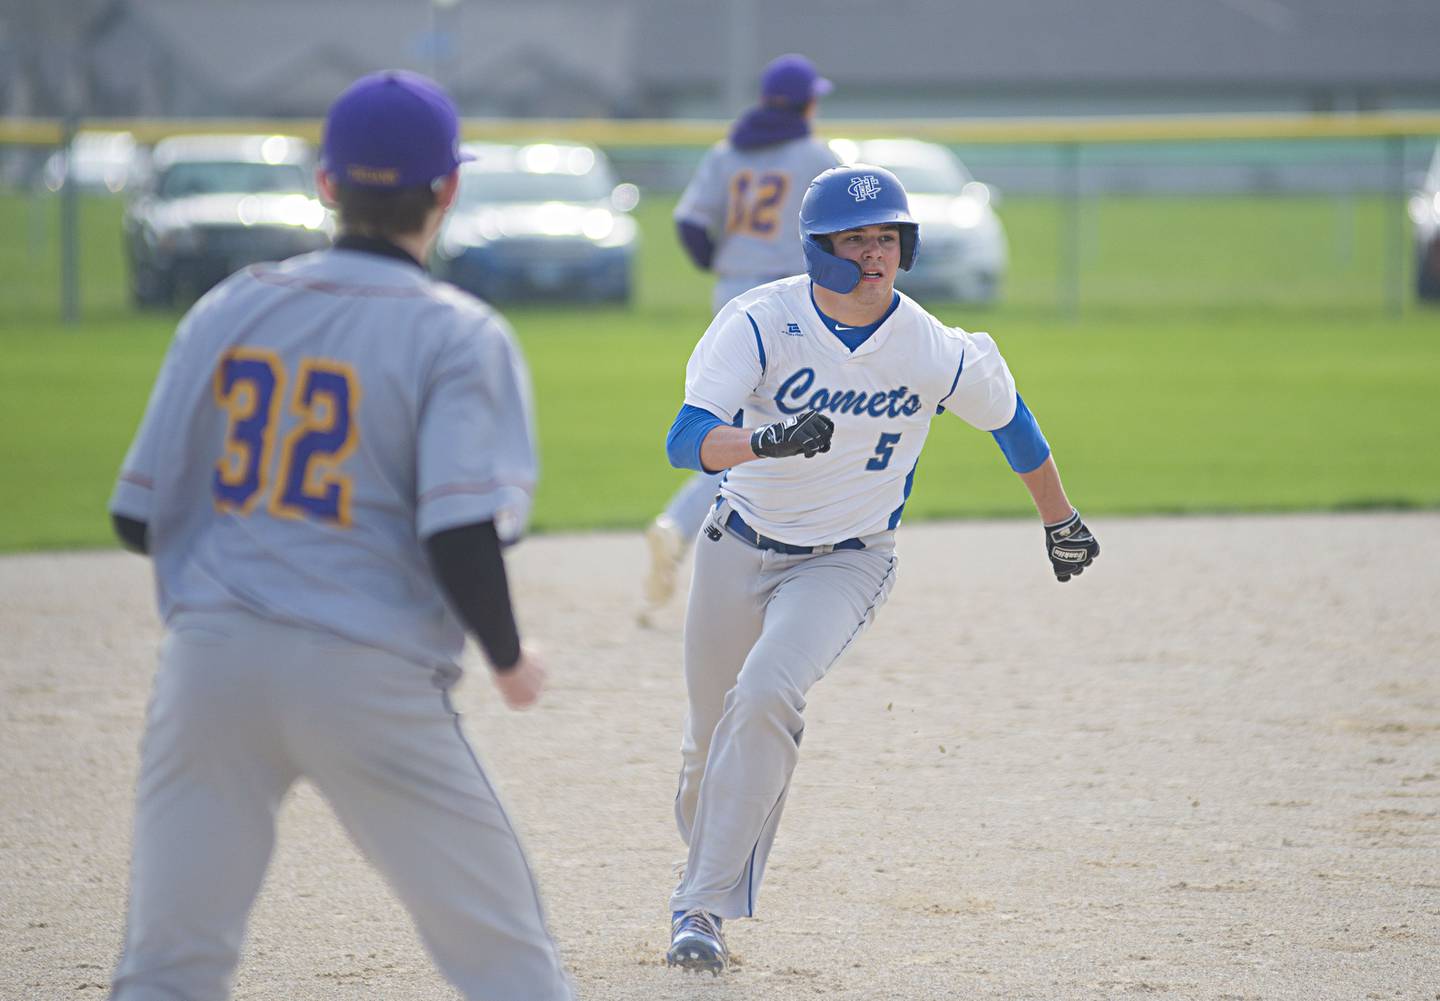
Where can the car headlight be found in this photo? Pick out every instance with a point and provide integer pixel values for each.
(967, 212)
(619, 229)
(299, 210)
(1424, 209)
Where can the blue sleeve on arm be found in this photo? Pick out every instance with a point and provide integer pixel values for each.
(1024, 446)
(682, 444)
(697, 244)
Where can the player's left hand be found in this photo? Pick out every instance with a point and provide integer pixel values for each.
(520, 685)
(1070, 546)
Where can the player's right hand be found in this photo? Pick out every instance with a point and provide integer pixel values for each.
(520, 686)
(804, 434)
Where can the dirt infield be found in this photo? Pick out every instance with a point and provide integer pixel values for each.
(1209, 769)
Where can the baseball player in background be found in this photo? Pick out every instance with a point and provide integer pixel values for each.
(335, 450)
(839, 377)
(737, 218)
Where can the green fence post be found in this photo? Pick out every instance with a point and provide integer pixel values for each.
(69, 232)
(1070, 230)
(1393, 226)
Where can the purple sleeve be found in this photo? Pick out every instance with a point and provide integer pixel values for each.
(697, 243)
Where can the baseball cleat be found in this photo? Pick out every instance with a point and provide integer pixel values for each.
(667, 549)
(696, 944)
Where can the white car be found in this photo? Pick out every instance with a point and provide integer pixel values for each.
(1425, 215)
(963, 253)
(97, 161)
(214, 204)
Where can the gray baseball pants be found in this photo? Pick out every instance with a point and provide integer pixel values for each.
(761, 628)
(242, 707)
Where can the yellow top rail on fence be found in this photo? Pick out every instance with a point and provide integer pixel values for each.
(697, 132)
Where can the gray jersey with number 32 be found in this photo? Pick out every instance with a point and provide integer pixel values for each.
(313, 422)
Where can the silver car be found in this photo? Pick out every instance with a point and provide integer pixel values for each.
(216, 203)
(1425, 215)
(963, 252)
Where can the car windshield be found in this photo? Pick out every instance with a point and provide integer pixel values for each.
(201, 178)
(480, 187)
(929, 178)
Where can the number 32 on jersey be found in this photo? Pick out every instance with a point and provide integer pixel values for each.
(308, 481)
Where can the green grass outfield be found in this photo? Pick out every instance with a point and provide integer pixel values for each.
(1231, 354)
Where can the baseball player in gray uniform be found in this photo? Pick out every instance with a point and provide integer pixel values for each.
(335, 450)
(839, 377)
(737, 218)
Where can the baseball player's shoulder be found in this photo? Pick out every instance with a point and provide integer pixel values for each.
(912, 314)
(776, 294)
(461, 314)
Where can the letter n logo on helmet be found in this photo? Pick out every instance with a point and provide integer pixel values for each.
(864, 186)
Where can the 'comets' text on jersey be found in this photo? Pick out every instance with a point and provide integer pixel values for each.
(769, 353)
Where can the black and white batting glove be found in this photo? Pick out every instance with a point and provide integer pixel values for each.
(1070, 546)
(804, 434)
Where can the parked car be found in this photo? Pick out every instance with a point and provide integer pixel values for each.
(1425, 215)
(102, 162)
(214, 204)
(963, 251)
(541, 221)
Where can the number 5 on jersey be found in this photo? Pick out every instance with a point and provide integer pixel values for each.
(249, 385)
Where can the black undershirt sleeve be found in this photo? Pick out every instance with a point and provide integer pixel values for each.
(131, 533)
(471, 572)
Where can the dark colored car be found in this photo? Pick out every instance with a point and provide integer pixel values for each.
(543, 221)
(1425, 214)
(214, 204)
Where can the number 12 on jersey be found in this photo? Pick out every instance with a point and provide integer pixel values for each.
(250, 385)
(755, 202)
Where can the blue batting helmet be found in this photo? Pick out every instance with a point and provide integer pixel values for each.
(848, 197)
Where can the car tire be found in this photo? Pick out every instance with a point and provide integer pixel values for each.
(621, 295)
(1427, 272)
(149, 289)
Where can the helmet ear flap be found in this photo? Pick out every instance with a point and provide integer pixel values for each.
(909, 245)
(827, 270)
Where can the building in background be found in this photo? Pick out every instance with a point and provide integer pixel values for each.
(698, 58)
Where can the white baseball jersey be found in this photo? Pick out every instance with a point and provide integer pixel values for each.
(769, 353)
(277, 465)
(749, 201)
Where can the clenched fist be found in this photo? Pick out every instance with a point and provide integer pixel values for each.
(1070, 546)
(804, 434)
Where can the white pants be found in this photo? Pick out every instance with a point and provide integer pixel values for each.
(760, 630)
(242, 708)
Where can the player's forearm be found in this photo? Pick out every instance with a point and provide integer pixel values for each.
(471, 571)
(1043, 482)
(724, 447)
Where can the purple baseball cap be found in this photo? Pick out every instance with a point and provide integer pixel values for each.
(793, 79)
(392, 129)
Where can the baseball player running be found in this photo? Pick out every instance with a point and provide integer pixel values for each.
(334, 452)
(839, 377)
(737, 218)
